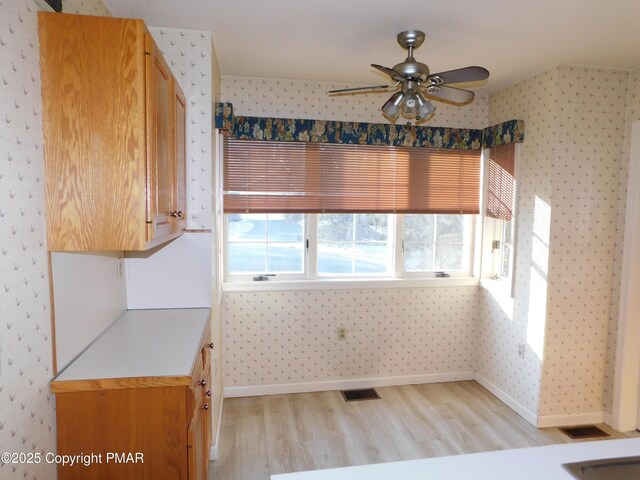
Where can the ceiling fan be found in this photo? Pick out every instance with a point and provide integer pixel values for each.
(417, 84)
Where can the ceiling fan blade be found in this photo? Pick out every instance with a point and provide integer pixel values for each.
(360, 89)
(459, 75)
(388, 71)
(457, 96)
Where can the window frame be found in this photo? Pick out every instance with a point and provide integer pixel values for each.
(493, 230)
(310, 273)
(248, 277)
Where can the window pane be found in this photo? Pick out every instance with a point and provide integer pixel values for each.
(288, 227)
(353, 243)
(418, 257)
(265, 243)
(335, 257)
(436, 242)
(371, 227)
(285, 257)
(419, 233)
(248, 227)
(507, 242)
(335, 228)
(370, 257)
(449, 256)
(246, 257)
(418, 228)
(450, 229)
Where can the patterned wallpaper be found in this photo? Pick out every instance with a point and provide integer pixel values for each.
(268, 97)
(188, 53)
(390, 332)
(26, 406)
(583, 245)
(290, 337)
(570, 168)
(533, 101)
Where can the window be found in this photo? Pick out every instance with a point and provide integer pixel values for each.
(312, 211)
(265, 243)
(359, 245)
(354, 244)
(500, 213)
(437, 243)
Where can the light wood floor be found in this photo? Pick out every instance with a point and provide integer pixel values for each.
(261, 436)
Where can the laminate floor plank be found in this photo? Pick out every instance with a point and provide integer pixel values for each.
(261, 436)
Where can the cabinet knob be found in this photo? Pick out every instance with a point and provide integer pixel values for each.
(210, 345)
(179, 212)
(208, 393)
(175, 214)
(205, 406)
(202, 383)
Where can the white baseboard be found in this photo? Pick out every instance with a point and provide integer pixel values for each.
(608, 419)
(507, 399)
(545, 421)
(283, 388)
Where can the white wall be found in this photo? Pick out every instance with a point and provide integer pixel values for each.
(26, 406)
(177, 275)
(89, 294)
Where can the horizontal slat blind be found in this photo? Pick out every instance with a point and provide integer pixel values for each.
(286, 177)
(502, 185)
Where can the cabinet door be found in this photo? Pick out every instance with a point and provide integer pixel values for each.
(160, 143)
(179, 212)
(196, 447)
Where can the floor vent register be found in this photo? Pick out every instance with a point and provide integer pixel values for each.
(584, 431)
(360, 394)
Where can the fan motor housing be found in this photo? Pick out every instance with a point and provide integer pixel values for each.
(412, 69)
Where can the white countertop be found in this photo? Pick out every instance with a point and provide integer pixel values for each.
(537, 463)
(143, 343)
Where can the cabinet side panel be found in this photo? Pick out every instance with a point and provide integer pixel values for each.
(147, 421)
(94, 128)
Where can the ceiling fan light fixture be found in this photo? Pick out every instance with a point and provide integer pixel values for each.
(410, 104)
(425, 108)
(393, 105)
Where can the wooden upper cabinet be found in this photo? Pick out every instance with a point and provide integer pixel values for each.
(109, 130)
(159, 139)
(179, 203)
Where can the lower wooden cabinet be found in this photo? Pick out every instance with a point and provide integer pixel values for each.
(137, 428)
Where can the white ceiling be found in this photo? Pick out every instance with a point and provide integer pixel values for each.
(337, 40)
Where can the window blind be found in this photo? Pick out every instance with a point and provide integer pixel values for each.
(501, 184)
(290, 177)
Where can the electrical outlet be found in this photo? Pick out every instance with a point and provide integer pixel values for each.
(342, 333)
(521, 350)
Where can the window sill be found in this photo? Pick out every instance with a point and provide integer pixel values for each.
(500, 290)
(349, 284)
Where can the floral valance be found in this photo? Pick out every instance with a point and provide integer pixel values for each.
(330, 131)
(511, 131)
